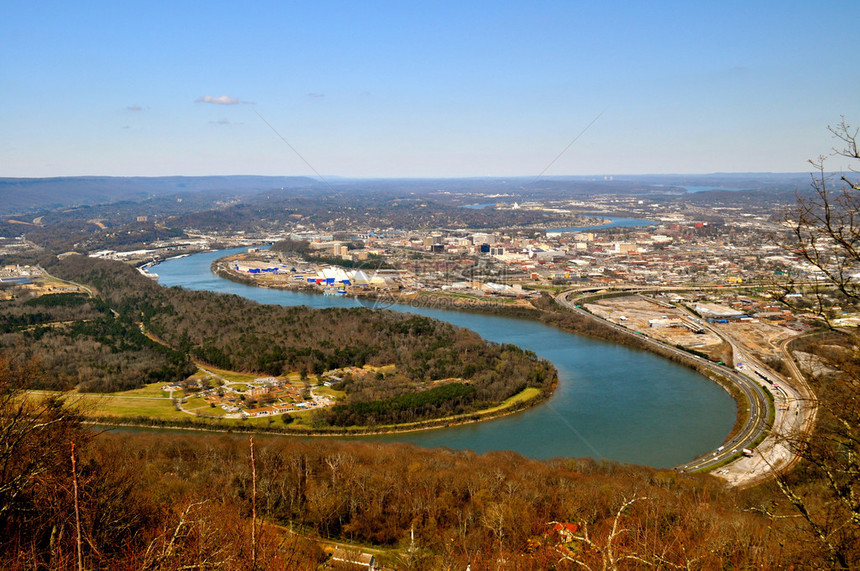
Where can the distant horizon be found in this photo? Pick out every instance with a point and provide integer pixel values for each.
(470, 177)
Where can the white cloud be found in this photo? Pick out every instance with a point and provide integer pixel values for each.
(222, 100)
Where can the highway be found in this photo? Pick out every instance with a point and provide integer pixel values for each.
(795, 411)
(618, 288)
(755, 397)
(795, 408)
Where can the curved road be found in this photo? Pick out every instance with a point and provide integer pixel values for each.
(755, 397)
(795, 408)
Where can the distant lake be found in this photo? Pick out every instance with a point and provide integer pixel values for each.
(612, 402)
(707, 188)
(616, 223)
(694, 189)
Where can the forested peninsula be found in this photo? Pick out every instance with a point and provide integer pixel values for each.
(434, 369)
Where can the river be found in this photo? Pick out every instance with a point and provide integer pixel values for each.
(615, 223)
(612, 402)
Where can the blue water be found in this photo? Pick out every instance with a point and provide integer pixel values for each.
(612, 402)
(707, 188)
(616, 223)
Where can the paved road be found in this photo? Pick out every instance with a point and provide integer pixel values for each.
(76, 284)
(755, 398)
(795, 409)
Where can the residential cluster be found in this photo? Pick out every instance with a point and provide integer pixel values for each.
(215, 395)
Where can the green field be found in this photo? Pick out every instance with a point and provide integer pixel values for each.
(152, 390)
(206, 409)
(128, 406)
(329, 392)
(232, 376)
(525, 395)
(151, 402)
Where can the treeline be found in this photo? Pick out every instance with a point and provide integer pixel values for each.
(81, 344)
(443, 401)
(231, 332)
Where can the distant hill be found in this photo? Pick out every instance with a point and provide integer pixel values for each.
(21, 195)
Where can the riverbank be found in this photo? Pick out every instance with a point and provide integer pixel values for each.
(525, 399)
(543, 309)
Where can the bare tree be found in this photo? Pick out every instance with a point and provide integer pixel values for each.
(253, 506)
(77, 510)
(825, 229)
(33, 435)
(610, 559)
(824, 493)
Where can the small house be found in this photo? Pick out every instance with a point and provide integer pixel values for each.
(350, 559)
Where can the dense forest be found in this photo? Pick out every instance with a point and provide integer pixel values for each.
(81, 344)
(234, 333)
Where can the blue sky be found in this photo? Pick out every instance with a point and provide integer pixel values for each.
(403, 89)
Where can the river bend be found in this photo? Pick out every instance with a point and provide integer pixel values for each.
(612, 402)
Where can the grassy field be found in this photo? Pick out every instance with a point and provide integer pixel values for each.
(206, 409)
(525, 395)
(128, 406)
(233, 376)
(152, 391)
(329, 392)
(194, 402)
(152, 402)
